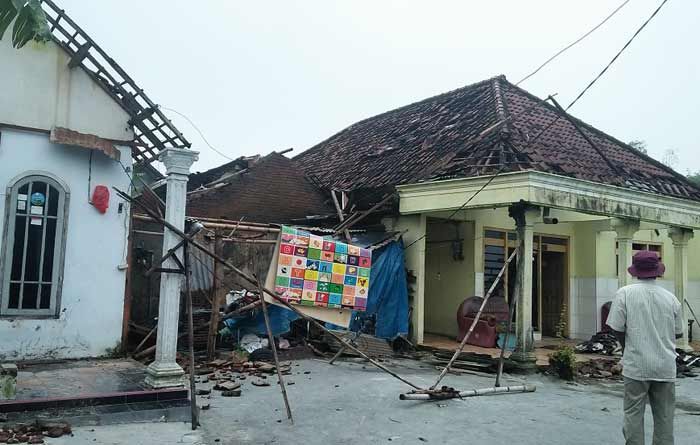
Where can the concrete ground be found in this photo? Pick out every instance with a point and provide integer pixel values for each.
(352, 403)
(132, 434)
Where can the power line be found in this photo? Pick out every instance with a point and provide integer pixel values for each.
(553, 121)
(617, 55)
(204, 138)
(572, 44)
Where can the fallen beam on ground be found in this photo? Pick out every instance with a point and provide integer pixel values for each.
(449, 393)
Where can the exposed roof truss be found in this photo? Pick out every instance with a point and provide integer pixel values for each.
(153, 130)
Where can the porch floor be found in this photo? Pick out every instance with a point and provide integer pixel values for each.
(542, 348)
(85, 383)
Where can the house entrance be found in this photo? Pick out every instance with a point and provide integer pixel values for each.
(550, 288)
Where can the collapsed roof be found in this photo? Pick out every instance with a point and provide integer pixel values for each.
(446, 136)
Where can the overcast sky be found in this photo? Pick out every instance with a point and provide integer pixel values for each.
(269, 75)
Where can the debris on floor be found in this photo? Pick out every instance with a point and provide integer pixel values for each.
(33, 433)
(685, 362)
(600, 343)
(469, 361)
(227, 375)
(369, 344)
(600, 369)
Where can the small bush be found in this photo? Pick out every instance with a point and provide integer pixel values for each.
(563, 362)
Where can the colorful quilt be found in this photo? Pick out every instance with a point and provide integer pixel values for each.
(314, 271)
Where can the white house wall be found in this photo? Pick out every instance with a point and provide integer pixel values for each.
(40, 92)
(92, 300)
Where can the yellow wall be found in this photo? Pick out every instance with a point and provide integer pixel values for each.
(448, 281)
(445, 283)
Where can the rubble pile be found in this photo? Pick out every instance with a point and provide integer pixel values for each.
(685, 363)
(227, 375)
(600, 369)
(33, 433)
(600, 343)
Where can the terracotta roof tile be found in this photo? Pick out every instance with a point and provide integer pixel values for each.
(435, 139)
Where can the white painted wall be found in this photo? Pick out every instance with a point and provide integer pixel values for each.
(92, 302)
(40, 91)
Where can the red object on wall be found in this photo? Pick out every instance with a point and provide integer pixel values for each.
(100, 198)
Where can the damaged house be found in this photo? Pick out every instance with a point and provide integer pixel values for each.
(73, 125)
(481, 166)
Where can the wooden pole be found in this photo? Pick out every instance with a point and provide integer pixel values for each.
(190, 340)
(254, 282)
(271, 339)
(218, 300)
(476, 319)
(471, 393)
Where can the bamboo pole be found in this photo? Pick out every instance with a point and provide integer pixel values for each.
(253, 282)
(511, 312)
(271, 339)
(476, 319)
(212, 224)
(470, 393)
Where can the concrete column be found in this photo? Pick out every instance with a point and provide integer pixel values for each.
(625, 228)
(165, 371)
(680, 238)
(525, 217)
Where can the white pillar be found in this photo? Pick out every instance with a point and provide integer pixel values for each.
(680, 238)
(525, 217)
(165, 371)
(625, 228)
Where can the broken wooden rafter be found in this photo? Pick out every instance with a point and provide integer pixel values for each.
(357, 217)
(341, 215)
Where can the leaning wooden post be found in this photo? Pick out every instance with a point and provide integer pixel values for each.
(271, 339)
(476, 320)
(218, 298)
(190, 335)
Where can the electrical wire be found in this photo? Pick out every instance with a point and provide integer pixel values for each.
(204, 138)
(572, 44)
(617, 55)
(556, 118)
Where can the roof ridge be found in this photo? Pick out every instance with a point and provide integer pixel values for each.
(605, 135)
(501, 104)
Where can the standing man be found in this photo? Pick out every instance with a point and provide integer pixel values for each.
(647, 320)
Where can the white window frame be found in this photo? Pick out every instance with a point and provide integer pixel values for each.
(8, 245)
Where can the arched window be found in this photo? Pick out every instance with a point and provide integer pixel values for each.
(33, 246)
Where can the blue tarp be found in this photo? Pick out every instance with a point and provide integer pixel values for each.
(280, 318)
(387, 302)
(388, 294)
